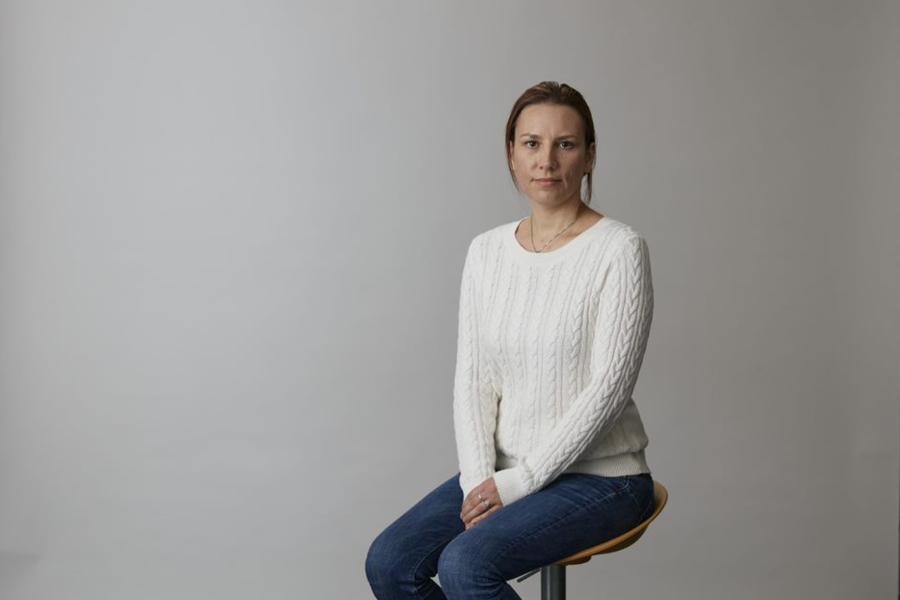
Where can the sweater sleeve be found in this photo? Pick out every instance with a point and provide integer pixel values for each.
(474, 399)
(620, 339)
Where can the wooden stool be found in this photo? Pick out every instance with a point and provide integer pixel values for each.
(553, 577)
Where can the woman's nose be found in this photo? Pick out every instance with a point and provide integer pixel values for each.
(548, 160)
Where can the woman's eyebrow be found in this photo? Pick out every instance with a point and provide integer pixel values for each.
(567, 135)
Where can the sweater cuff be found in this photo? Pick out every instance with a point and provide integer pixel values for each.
(510, 484)
(466, 487)
(467, 484)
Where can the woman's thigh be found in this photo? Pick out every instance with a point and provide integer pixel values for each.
(407, 551)
(573, 512)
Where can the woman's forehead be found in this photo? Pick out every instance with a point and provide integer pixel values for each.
(539, 119)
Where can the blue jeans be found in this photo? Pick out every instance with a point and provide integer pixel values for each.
(573, 512)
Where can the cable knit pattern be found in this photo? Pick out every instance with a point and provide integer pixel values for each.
(549, 349)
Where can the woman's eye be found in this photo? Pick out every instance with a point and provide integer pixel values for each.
(566, 144)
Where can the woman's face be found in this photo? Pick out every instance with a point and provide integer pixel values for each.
(548, 154)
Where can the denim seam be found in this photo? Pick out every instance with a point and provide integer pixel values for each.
(437, 548)
(648, 506)
(651, 504)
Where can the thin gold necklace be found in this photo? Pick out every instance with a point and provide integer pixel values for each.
(531, 222)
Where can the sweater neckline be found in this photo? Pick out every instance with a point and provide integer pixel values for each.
(550, 255)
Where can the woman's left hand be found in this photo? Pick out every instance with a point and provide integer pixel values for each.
(482, 502)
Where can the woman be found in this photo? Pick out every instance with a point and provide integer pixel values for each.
(554, 317)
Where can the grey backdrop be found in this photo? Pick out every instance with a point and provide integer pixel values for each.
(231, 236)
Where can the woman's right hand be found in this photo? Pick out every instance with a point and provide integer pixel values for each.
(482, 502)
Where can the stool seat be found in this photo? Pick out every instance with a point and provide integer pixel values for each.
(553, 576)
(660, 497)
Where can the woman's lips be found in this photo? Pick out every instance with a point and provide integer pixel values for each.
(546, 182)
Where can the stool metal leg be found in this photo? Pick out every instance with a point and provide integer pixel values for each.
(553, 582)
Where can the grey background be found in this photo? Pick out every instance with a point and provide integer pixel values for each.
(231, 236)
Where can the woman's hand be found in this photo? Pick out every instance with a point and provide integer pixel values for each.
(482, 502)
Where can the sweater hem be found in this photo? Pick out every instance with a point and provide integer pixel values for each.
(618, 465)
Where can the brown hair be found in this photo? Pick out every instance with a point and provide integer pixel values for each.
(551, 92)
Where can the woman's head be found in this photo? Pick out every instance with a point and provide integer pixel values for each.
(550, 134)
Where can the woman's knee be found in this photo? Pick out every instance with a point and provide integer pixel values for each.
(463, 566)
(381, 557)
(387, 560)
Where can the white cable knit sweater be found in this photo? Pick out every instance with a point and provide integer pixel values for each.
(549, 349)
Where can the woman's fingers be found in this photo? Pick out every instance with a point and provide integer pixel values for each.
(480, 510)
(472, 503)
(481, 502)
(476, 509)
(483, 516)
